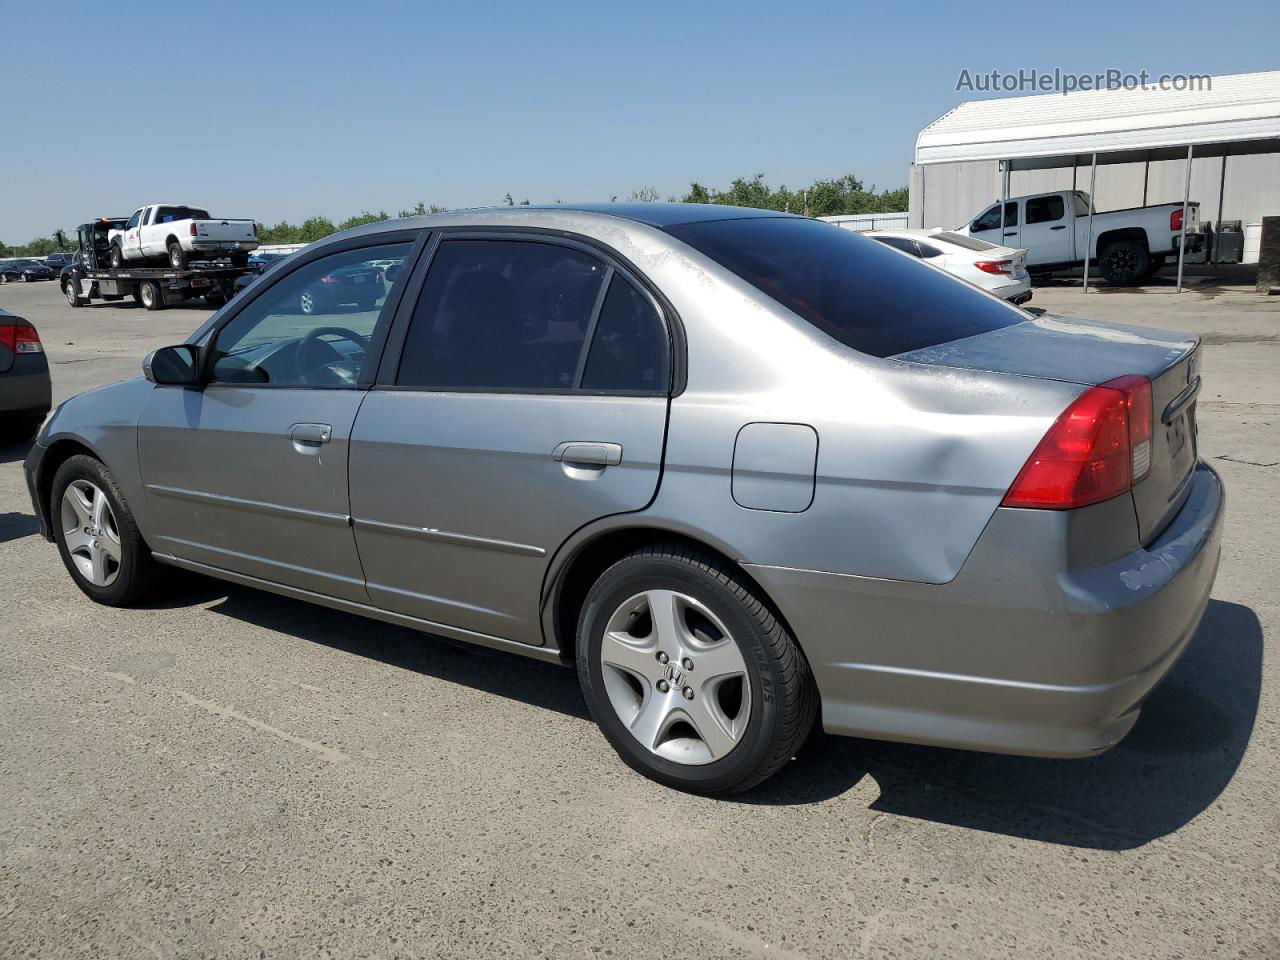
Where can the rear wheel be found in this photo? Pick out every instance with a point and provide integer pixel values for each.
(149, 295)
(96, 535)
(23, 277)
(688, 673)
(1124, 262)
(177, 256)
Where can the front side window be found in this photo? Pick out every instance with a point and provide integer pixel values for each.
(313, 327)
(134, 220)
(1045, 209)
(851, 288)
(501, 315)
(990, 220)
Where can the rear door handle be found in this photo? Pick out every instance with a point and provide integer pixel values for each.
(588, 452)
(1011, 233)
(311, 433)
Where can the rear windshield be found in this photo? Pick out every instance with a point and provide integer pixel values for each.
(960, 240)
(860, 292)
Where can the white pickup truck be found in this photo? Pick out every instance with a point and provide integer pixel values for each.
(176, 233)
(1128, 245)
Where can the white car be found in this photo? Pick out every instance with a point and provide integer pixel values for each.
(996, 269)
(177, 233)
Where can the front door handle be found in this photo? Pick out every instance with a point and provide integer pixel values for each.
(1011, 233)
(590, 452)
(1061, 226)
(311, 433)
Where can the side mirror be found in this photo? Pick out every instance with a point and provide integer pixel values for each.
(173, 366)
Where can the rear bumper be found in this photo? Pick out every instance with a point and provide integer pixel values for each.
(1023, 652)
(224, 246)
(31, 470)
(25, 389)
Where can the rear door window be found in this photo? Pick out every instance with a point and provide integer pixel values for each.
(846, 285)
(1045, 209)
(501, 315)
(629, 349)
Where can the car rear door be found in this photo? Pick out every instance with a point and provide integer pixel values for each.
(525, 394)
(249, 473)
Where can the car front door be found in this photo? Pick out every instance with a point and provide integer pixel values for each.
(529, 398)
(131, 245)
(1045, 231)
(249, 473)
(988, 226)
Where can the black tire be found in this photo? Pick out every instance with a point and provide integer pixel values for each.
(215, 300)
(22, 277)
(177, 256)
(239, 260)
(117, 257)
(783, 701)
(1124, 262)
(137, 573)
(149, 295)
(72, 294)
(137, 297)
(1156, 265)
(4, 278)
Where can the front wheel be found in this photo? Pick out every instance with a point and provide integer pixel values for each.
(117, 257)
(97, 537)
(691, 677)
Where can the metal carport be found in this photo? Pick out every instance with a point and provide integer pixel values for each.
(1233, 116)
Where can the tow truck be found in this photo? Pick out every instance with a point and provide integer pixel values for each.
(90, 276)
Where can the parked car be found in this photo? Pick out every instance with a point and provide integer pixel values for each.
(357, 286)
(260, 260)
(742, 469)
(996, 269)
(23, 270)
(56, 261)
(25, 389)
(176, 234)
(1128, 245)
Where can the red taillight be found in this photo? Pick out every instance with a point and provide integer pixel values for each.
(1004, 267)
(193, 229)
(1175, 220)
(1097, 449)
(20, 338)
(329, 279)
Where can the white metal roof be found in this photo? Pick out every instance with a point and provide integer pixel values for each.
(1241, 107)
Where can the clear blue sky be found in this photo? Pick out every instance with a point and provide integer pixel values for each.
(280, 110)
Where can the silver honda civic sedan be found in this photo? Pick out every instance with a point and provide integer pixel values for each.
(743, 469)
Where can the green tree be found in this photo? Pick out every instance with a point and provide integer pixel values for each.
(823, 198)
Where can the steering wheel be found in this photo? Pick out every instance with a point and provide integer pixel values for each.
(320, 364)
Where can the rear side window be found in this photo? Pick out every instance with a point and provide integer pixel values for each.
(501, 315)
(1045, 209)
(629, 349)
(851, 288)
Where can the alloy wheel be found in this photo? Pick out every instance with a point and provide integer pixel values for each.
(675, 677)
(90, 532)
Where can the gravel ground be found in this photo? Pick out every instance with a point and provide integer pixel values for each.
(232, 774)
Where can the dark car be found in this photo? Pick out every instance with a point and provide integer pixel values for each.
(260, 261)
(56, 261)
(25, 390)
(357, 286)
(23, 270)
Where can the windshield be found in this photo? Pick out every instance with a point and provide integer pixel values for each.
(860, 292)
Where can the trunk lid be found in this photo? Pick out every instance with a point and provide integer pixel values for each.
(1082, 351)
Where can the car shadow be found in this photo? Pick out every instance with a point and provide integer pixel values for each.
(1183, 751)
(15, 526)
(14, 452)
(539, 684)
